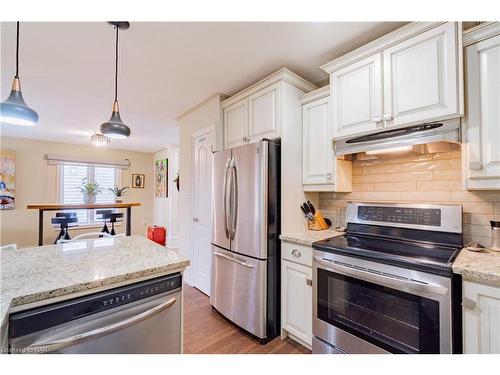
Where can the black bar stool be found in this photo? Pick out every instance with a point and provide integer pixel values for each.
(104, 216)
(113, 217)
(64, 219)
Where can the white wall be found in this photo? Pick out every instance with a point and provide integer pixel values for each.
(203, 116)
(292, 194)
(166, 209)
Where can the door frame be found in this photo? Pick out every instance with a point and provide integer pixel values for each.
(190, 272)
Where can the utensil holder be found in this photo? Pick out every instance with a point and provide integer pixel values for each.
(319, 222)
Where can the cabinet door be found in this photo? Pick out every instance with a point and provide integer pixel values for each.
(356, 93)
(483, 117)
(317, 155)
(297, 300)
(421, 77)
(481, 319)
(264, 114)
(236, 124)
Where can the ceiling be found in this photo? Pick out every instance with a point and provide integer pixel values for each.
(165, 68)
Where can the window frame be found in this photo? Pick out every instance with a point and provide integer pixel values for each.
(91, 219)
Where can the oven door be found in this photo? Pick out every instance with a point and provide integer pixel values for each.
(361, 306)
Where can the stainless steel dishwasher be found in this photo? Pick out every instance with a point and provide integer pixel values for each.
(139, 318)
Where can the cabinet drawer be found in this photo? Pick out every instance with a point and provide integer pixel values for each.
(297, 253)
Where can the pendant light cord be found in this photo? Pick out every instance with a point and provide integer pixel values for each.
(116, 65)
(17, 52)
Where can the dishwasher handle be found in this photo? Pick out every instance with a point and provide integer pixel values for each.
(99, 332)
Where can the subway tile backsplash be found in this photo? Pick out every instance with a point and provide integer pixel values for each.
(429, 178)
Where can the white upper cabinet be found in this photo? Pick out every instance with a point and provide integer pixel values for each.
(257, 112)
(236, 124)
(410, 76)
(356, 92)
(318, 146)
(264, 115)
(482, 125)
(420, 77)
(321, 171)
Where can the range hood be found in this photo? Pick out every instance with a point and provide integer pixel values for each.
(444, 131)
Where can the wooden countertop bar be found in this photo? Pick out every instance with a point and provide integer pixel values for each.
(62, 207)
(55, 207)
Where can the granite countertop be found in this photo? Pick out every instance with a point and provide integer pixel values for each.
(307, 237)
(482, 267)
(39, 273)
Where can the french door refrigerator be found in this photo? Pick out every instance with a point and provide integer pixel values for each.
(245, 284)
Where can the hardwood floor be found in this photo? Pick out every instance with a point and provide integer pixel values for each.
(206, 331)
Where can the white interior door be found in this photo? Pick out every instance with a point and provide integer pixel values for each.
(202, 193)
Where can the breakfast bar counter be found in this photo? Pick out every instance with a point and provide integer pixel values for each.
(64, 207)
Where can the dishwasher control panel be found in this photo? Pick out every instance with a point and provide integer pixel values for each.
(40, 318)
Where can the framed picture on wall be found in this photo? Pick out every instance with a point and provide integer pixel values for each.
(138, 181)
(7, 178)
(161, 178)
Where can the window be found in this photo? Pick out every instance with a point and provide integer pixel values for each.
(71, 181)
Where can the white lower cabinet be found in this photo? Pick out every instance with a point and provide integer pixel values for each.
(296, 302)
(481, 318)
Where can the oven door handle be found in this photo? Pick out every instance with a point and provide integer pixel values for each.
(386, 280)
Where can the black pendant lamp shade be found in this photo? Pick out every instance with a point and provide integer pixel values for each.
(14, 110)
(114, 127)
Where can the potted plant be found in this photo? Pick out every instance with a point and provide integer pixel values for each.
(118, 193)
(89, 191)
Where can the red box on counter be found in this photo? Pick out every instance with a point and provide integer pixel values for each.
(157, 234)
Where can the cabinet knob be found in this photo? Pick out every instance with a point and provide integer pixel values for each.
(296, 253)
(328, 176)
(195, 219)
(309, 282)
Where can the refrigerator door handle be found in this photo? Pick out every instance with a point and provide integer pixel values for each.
(234, 199)
(225, 196)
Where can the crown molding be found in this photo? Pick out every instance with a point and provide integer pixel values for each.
(317, 94)
(283, 74)
(480, 32)
(388, 40)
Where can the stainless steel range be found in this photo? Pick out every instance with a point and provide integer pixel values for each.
(387, 286)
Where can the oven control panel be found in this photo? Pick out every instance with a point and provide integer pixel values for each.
(401, 215)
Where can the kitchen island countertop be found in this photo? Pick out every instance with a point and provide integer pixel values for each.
(307, 237)
(37, 275)
(483, 267)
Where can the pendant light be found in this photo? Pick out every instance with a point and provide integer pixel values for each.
(14, 111)
(114, 127)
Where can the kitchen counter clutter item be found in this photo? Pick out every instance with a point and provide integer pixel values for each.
(495, 235)
(399, 258)
(315, 220)
(483, 267)
(64, 207)
(35, 276)
(307, 237)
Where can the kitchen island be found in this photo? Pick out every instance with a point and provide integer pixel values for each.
(43, 275)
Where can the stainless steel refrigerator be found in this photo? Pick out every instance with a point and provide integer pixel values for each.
(245, 285)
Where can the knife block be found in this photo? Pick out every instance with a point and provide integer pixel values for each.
(319, 222)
